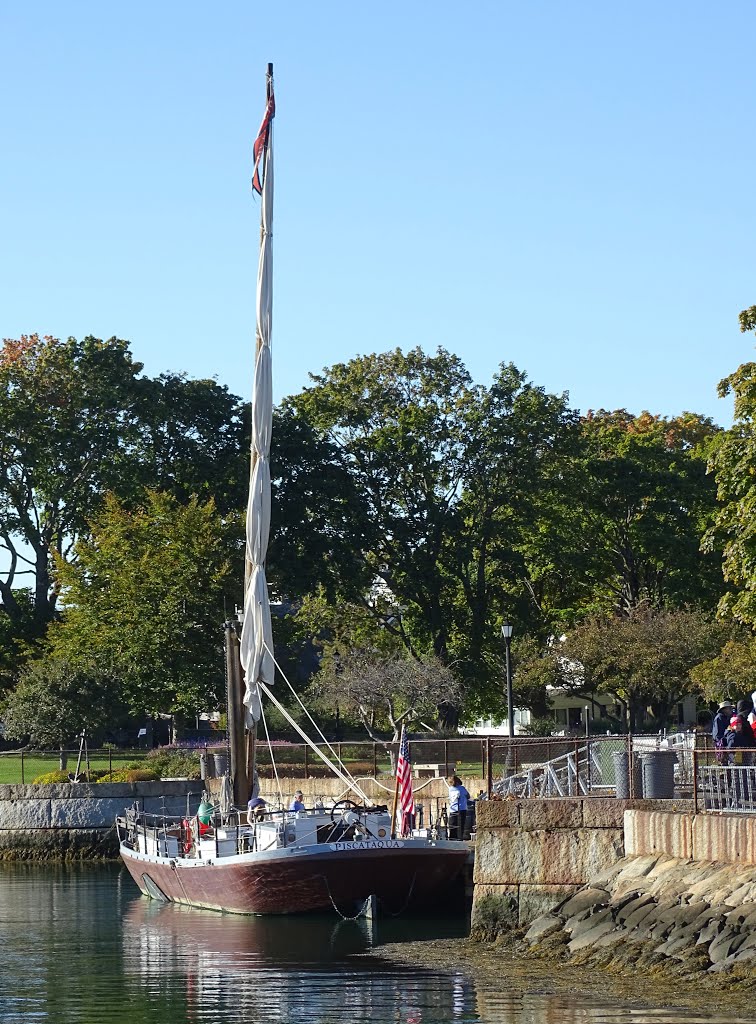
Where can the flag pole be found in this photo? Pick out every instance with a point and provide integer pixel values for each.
(396, 786)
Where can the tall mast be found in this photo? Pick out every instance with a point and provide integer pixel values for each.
(256, 642)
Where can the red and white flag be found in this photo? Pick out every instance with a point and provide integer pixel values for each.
(261, 142)
(404, 775)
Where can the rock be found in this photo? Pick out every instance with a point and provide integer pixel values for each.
(711, 930)
(543, 926)
(587, 922)
(586, 899)
(625, 909)
(639, 916)
(591, 935)
(724, 944)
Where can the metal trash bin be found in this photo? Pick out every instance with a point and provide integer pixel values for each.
(207, 765)
(658, 768)
(622, 776)
(220, 762)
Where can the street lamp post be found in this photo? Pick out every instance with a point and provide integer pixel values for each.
(506, 632)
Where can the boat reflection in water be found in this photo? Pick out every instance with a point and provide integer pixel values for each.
(289, 968)
(303, 969)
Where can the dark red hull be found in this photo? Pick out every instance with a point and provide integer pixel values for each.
(290, 884)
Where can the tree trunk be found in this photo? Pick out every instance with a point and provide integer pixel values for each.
(63, 760)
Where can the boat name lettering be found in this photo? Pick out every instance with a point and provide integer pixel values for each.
(385, 844)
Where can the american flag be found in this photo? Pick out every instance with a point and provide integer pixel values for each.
(404, 775)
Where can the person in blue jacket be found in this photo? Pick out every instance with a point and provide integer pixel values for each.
(458, 797)
(719, 727)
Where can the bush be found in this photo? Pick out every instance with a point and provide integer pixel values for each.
(130, 775)
(540, 727)
(173, 764)
(48, 778)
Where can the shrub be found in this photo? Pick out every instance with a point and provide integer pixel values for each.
(50, 777)
(130, 775)
(173, 764)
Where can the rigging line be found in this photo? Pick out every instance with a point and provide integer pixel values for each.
(348, 781)
(272, 756)
(297, 698)
(343, 773)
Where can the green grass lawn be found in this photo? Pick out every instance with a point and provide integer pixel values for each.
(39, 764)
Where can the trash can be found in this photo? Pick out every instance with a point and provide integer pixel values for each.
(469, 820)
(220, 762)
(622, 776)
(207, 766)
(658, 768)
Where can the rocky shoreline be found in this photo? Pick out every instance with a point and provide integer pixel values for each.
(663, 916)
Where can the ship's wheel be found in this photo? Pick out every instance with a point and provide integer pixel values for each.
(343, 806)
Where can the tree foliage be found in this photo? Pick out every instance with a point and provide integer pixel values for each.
(449, 478)
(66, 419)
(642, 660)
(645, 506)
(56, 700)
(145, 598)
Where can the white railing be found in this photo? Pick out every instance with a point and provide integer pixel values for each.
(590, 767)
(727, 788)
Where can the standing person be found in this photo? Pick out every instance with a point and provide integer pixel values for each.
(719, 727)
(297, 804)
(740, 742)
(458, 797)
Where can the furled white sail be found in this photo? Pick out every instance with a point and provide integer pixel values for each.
(257, 633)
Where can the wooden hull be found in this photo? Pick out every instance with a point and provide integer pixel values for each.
(292, 881)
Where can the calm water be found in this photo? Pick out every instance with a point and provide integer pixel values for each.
(78, 944)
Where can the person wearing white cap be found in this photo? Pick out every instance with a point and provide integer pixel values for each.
(719, 727)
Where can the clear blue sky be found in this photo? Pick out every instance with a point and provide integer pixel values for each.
(569, 186)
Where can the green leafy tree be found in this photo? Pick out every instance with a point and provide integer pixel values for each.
(145, 598)
(733, 462)
(447, 476)
(56, 700)
(320, 518)
(191, 439)
(643, 660)
(646, 504)
(66, 417)
(732, 672)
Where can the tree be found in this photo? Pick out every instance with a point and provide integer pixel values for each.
(646, 504)
(145, 599)
(191, 438)
(78, 420)
(66, 418)
(733, 462)
(393, 690)
(55, 701)
(731, 673)
(448, 477)
(320, 518)
(643, 660)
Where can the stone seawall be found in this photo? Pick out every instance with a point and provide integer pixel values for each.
(76, 821)
(533, 854)
(642, 885)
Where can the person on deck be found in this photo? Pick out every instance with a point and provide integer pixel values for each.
(297, 804)
(458, 797)
(256, 807)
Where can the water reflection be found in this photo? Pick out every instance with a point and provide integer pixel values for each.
(292, 969)
(78, 945)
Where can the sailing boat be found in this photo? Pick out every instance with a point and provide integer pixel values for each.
(280, 861)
